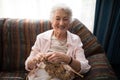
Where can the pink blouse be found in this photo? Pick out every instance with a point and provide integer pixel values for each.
(74, 44)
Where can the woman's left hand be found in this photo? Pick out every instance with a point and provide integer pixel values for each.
(57, 57)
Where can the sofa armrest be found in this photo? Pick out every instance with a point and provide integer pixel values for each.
(100, 68)
(2, 20)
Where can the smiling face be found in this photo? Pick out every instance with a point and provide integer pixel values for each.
(60, 21)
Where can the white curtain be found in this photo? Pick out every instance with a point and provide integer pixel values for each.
(84, 10)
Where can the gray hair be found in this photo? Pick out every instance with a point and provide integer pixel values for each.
(59, 7)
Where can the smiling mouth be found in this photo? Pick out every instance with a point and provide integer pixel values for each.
(61, 27)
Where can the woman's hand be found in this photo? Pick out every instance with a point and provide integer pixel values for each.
(32, 64)
(57, 57)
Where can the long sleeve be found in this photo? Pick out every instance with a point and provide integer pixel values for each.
(80, 56)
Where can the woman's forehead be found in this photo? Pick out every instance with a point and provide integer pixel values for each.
(61, 13)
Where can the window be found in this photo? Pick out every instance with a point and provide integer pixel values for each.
(40, 9)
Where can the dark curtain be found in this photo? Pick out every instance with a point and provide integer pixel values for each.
(107, 30)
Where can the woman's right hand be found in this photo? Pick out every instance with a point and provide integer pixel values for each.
(32, 64)
(36, 60)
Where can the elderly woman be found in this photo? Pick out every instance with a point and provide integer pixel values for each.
(57, 46)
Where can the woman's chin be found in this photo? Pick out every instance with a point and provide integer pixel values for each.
(61, 31)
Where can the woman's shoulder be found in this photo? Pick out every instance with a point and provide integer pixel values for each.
(45, 33)
(73, 36)
(75, 39)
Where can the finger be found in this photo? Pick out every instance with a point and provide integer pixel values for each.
(51, 57)
(55, 60)
(48, 55)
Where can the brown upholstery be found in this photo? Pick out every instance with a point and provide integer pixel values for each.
(17, 36)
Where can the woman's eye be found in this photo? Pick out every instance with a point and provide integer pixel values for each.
(57, 19)
(65, 19)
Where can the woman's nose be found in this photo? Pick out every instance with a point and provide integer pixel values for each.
(61, 22)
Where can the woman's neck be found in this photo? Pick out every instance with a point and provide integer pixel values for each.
(60, 36)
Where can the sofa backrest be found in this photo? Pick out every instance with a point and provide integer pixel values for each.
(19, 35)
(91, 45)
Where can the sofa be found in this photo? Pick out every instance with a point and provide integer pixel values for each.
(17, 36)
